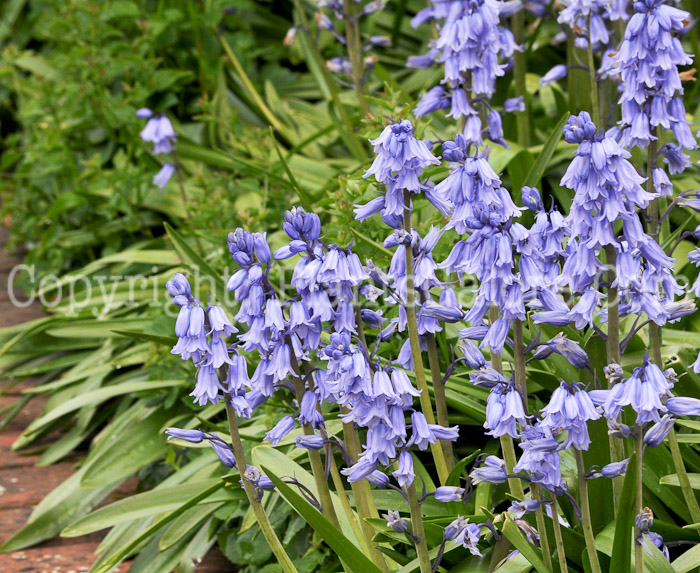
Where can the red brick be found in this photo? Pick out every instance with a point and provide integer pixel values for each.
(31, 411)
(27, 486)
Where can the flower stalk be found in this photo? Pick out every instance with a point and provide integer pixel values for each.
(586, 513)
(419, 370)
(260, 515)
(558, 539)
(440, 398)
(612, 343)
(418, 530)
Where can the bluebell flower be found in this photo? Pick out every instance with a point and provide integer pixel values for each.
(223, 452)
(683, 406)
(404, 474)
(615, 469)
(448, 493)
(465, 533)
(600, 13)
(518, 509)
(281, 429)
(531, 199)
(608, 190)
(192, 436)
(403, 388)
(675, 158)
(473, 44)
(434, 99)
(312, 442)
(662, 184)
(493, 471)
(643, 391)
(487, 377)
(300, 225)
(514, 104)
(472, 355)
(656, 435)
(504, 411)
(399, 163)
(395, 521)
(161, 178)
(158, 131)
(556, 73)
(540, 458)
(569, 409)
(647, 64)
(569, 349)
(208, 386)
(378, 479)
(308, 412)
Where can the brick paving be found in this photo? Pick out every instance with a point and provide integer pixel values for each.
(23, 485)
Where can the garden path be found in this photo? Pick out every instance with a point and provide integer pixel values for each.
(23, 485)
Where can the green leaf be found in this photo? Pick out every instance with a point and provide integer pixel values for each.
(271, 457)
(346, 549)
(688, 561)
(148, 504)
(137, 446)
(621, 559)
(453, 478)
(137, 335)
(531, 553)
(535, 175)
(114, 560)
(186, 523)
(672, 480)
(303, 197)
(97, 396)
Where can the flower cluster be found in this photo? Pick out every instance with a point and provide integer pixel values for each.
(651, 89)
(160, 132)
(474, 49)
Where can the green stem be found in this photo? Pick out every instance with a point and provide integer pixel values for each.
(317, 468)
(183, 195)
(362, 495)
(440, 398)
(639, 499)
(520, 73)
(617, 453)
(250, 88)
(418, 368)
(347, 508)
(507, 447)
(586, 513)
(688, 492)
(653, 228)
(260, 515)
(558, 539)
(542, 528)
(655, 343)
(519, 359)
(595, 112)
(419, 530)
(328, 87)
(354, 44)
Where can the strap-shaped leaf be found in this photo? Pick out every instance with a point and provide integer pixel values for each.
(621, 559)
(531, 553)
(346, 549)
(542, 162)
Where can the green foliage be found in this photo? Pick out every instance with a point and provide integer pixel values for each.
(261, 127)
